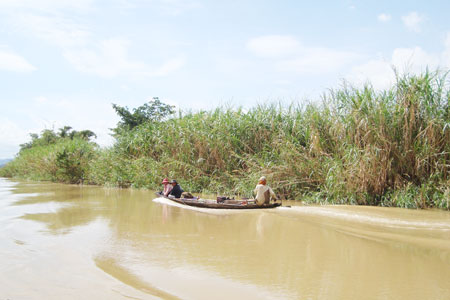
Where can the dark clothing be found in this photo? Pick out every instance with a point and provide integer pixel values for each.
(176, 191)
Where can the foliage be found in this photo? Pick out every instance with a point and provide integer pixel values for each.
(73, 159)
(63, 157)
(50, 137)
(153, 111)
(358, 146)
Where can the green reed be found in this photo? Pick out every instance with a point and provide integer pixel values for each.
(66, 160)
(356, 146)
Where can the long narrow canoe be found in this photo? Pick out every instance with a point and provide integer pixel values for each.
(227, 204)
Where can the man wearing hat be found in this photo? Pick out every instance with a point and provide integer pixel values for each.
(176, 189)
(167, 187)
(263, 192)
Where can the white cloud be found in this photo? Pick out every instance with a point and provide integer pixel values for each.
(108, 59)
(166, 7)
(169, 67)
(105, 58)
(41, 100)
(54, 29)
(233, 65)
(11, 136)
(283, 82)
(414, 59)
(412, 21)
(447, 41)
(384, 17)
(45, 103)
(177, 7)
(273, 45)
(287, 54)
(380, 72)
(47, 5)
(446, 53)
(10, 61)
(317, 61)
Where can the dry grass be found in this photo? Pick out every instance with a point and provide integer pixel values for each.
(358, 146)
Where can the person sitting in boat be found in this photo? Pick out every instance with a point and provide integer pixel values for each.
(263, 192)
(167, 187)
(176, 189)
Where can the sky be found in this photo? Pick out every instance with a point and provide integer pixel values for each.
(64, 62)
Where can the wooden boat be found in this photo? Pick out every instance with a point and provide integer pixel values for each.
(227, 204)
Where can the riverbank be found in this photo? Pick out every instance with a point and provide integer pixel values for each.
(357, 146)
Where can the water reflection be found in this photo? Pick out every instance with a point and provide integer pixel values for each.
(155, 249)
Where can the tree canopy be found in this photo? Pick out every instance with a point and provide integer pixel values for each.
(49, 136)
(153, 111)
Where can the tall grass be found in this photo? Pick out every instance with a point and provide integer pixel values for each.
(356, 146)
(63, 161)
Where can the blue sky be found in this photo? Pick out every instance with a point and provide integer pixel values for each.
(63, 62)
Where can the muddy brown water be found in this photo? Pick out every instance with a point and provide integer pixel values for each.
(71, 242)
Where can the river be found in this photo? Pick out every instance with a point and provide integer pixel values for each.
(83, 242)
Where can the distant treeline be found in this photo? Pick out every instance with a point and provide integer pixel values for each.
(61, 156)
(356, 146)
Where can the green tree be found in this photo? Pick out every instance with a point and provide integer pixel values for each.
(64, 131)
(48, 137)
(34, 137)
(86, 134)
(153, 111)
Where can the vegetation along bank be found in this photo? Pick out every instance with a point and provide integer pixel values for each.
(356, 146)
